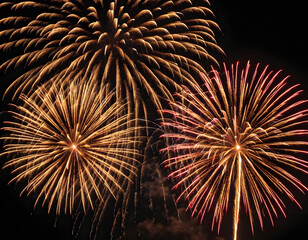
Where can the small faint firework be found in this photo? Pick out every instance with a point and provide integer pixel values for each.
(70, 145)
(140, 48)
(238, 138)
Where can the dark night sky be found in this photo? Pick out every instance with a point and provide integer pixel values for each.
(273, 34)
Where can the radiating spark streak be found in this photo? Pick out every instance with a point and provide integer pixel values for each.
(71, 143)
(237, 197)
(236, 139)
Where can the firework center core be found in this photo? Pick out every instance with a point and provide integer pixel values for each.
(237, 147)
(73, 146)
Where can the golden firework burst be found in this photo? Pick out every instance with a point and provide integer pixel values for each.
(140, 48)
(70, 144)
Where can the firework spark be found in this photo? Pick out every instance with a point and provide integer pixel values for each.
(70, 145)
(239, 136)
(126, 45)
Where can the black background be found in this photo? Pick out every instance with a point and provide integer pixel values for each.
(269, 32)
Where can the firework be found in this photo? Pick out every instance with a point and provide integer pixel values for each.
(126, 45)
(70, 145)
(239, 138)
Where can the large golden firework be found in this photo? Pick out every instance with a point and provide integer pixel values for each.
(70, 145)
(240, 137)
(132, 45)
